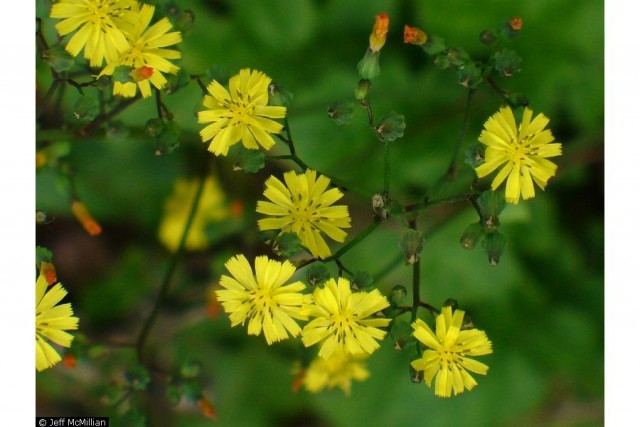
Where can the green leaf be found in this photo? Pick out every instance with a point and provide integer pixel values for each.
(168, 139)
(287, 245)
(248, 161)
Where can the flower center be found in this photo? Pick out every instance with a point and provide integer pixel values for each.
(343, 325)
(102, 11)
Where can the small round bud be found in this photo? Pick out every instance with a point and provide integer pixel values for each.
(401, 334)
(58, 58)
(369, 65)
(185, 21)
(390, 127)
(341, 112)
(380, 203)
(398, 294)
(494, 244)
(416, 376)
(507, 62)
(515, 23)
(411, 246)
(414, 35)
(362, 90)
(471, 235)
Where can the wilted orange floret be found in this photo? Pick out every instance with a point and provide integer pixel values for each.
(207, 409)
(515, 23)
(414, 35)
(379, 34)
(69, 360)
(48, 270)
(83, 216)
(140, 74)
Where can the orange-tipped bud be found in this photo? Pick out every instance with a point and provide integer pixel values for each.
(83, 216)
(237, 208)
(48, 270)
(379, 34)
(414, 35)
(140, 74)
(515, 23)
(207, 409)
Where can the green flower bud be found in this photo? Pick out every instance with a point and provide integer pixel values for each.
(86, 109)
(457, 57)
(494, 244)
(361, 281)
(219, 74)
(398, 294)
(168, 139)
(176, 82)
(442, 62)
(341, 112)
(390, 127)
(191, 369)
(507, 62)
(474, 155)
(471, 235)
(185, 21)
(59, 59)
(287, 245)
(248, 161)
(415, 376)
(488, 37)
(362, 90)
(317, 274)
(401, 334)
(451, 302)
(369, 66)
(518, 100)
(411, 246)
(279, 96)
(491, 204)
(380, 203)
(434, 45)
(469, 76)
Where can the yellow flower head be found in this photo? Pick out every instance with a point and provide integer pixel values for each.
(51, 322)
(101, 25)
(378, 35)
(522, 150)
(263, 297)
(147, 54)
(338, 371)
(212, 208)
(447, 353)
(240, 114)
(302, 206)
(343, 319)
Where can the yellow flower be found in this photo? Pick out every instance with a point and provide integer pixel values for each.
(263, 298)
(101, 25)
(51, 322)
(240, 114)
(522, 150)
(302, 206)
(338, 371)
(212, 208)
(343, 319)
(147, 54)
(448, 351)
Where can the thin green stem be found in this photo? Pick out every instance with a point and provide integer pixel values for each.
(47, 97)
(418, 207)
(95, 124)
(387, 167)
(364, 233)
(159, 105)
(166, 282)
(416, 280)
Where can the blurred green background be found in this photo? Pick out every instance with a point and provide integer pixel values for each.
(542, 306)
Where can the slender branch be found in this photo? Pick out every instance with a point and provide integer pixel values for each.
(166, 282)
(416, 279)
(47, 97)
(434, 311)
(199, 82)
(159, 105)
(95, 124)
(387, 167)
(417, 207)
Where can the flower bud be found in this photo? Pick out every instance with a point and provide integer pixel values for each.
(491, 204)
(390, 127)
(58, 58)
(317, 274)
(469, 76)
(341, 112)
(48, 270)
(494, 244)
(398, 294)
(416, 376)
(380, 203)
(279, 96)
(83, 216)
(414, 35)
(488, 37)
(401, 334)
(471, 235)
(369, 66)
(378, 36)
(185, 21)
(515, 23)
(362, 90)
(86, 108)
(506, 62)
(412, 246)
(208, 410)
